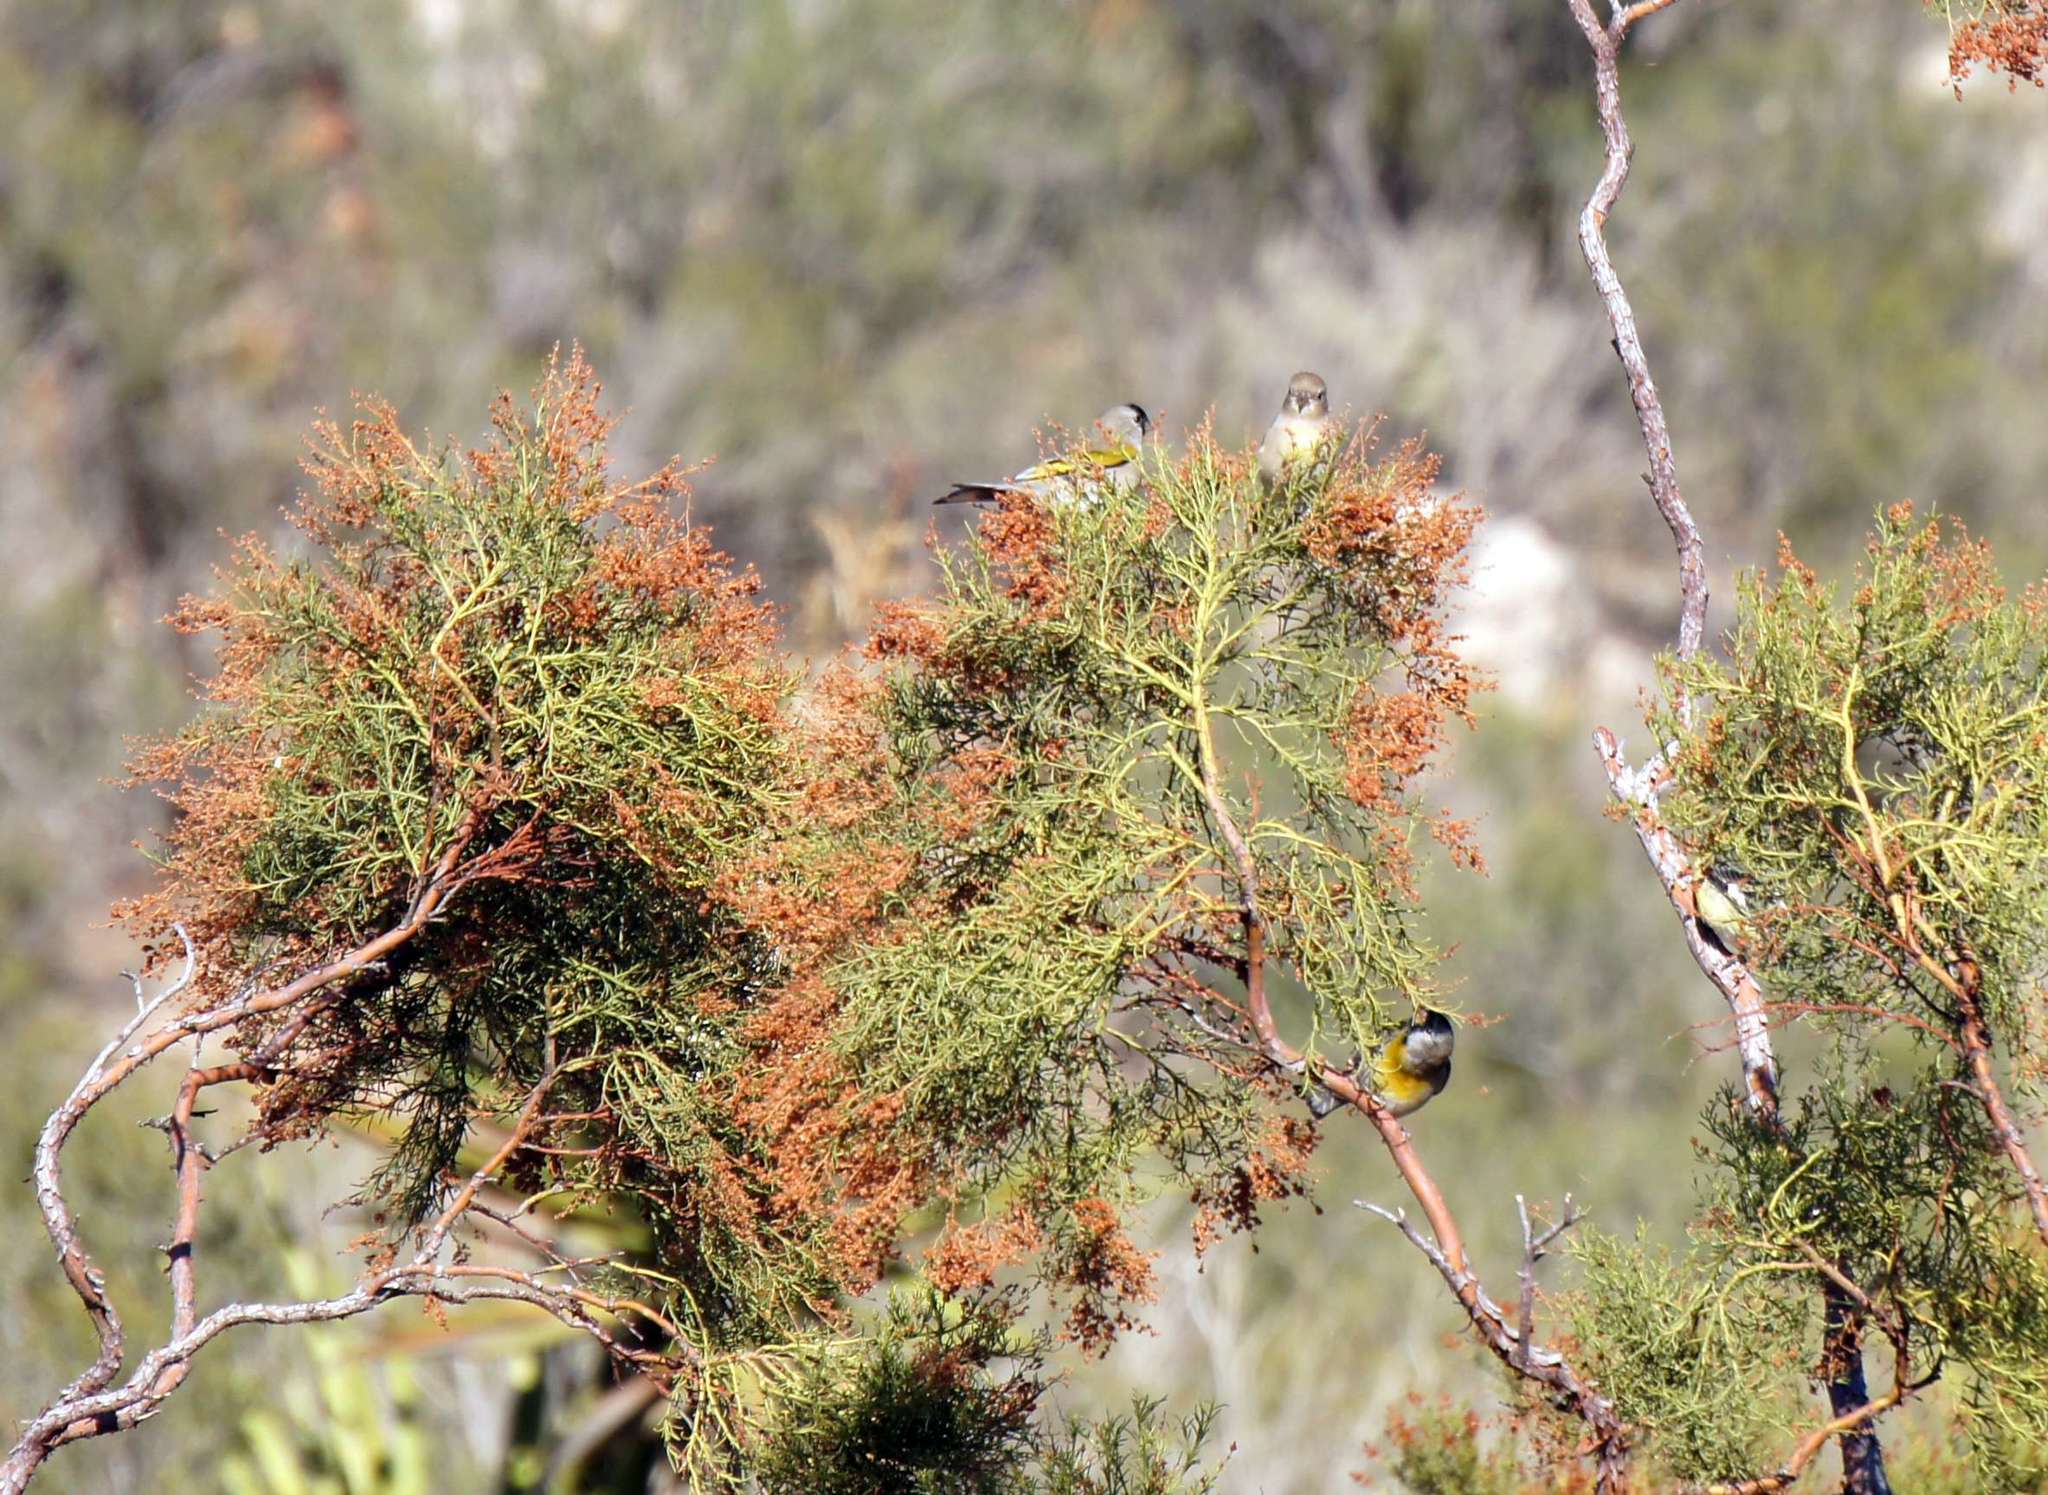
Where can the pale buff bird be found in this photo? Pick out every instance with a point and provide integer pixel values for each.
(1298, 429)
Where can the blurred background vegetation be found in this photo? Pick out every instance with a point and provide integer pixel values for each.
(854, 250)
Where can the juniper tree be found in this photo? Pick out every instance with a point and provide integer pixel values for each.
(1876, 756)
(507, 829)
(1876, 762)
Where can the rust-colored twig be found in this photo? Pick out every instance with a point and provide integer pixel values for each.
(1977, 1046)
(1511, 1343)
(1962, 979)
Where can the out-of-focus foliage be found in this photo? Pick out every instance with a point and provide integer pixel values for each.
(1134, 1453)
(1437, 1448)
(1687, 1355)
(340, 1430)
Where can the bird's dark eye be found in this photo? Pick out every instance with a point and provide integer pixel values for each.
(1144, 420)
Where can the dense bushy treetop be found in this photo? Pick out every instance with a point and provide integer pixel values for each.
(939, 959)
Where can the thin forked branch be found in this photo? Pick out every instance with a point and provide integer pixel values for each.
(1511, 1343)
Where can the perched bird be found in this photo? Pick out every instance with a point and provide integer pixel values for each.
(1298, 428)
(1111, 458)
(1415, 1065)
(1721, 899)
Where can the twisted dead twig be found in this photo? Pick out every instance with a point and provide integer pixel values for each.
(1637, 789)
(1605, 42)
(86, 1280)
(91, 1405)
(102, 1077)
(1514, 1344)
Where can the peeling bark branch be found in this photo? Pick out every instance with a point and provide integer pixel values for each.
(1637, 790)
(1605, 42)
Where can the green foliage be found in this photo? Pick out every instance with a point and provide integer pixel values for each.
(1134, 1454)
(1692, 1350)
(1878, 763)
(911, 1409)
(944, 1396)
(1438, 1449)
(957, 938)
(1098, 686)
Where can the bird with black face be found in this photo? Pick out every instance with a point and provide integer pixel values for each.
(1298, 430)
(1721, 899)
(1415, 1065)
(1109, 458)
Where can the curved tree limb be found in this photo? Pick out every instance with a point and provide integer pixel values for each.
(1510, 1342)
(1605, 42)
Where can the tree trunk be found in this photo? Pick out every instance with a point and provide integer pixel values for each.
(1862, 1454)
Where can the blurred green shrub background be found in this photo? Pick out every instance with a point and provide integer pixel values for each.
(852, 251)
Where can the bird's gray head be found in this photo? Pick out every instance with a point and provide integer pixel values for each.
(1307, 395)
(1128, 424)
(1430, 1040)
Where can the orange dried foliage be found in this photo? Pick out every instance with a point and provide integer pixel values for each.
(1401, 549)
(1277, 1169)
(966, 1258)
(969, 785)
(1107, 1272)
(1017, 537)
(2007, 36)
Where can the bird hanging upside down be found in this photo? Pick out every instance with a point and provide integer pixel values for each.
(1407, 1073)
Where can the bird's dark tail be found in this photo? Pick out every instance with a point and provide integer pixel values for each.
(970, 493)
